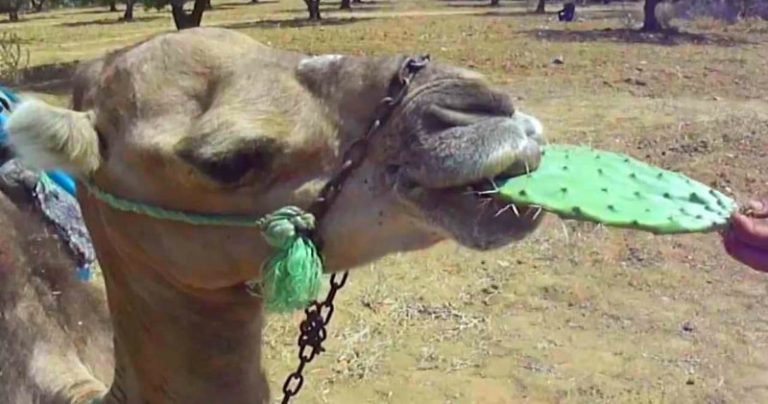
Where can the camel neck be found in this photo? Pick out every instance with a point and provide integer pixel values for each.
(177, 346)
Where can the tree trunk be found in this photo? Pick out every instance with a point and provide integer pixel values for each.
(254, 1)
(184, 20)
(357, 1)
(208, 6)
(650, 23)
(13, 11)
(540, 8)
(112, 5)
(313, 6)
(495, 2)
(346, 5)
(38, 5)
(128, 15)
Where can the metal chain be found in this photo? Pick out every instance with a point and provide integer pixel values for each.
(318, 314)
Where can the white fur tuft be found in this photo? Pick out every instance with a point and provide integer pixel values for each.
(319, 62)
(48, 137)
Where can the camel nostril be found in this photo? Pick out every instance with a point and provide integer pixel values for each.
(527, 160)
(531, 125)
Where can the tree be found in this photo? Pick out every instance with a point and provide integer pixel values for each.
(112, 4)
(11, 7)
(540, 7)
(128, 14)
(38, 5)
(184, 20)
(495, 2)
(181, 18)
(650, 22)
(313, 6)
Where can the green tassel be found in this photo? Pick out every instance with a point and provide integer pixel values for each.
(290, 278)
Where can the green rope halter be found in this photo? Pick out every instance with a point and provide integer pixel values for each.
(290, 278)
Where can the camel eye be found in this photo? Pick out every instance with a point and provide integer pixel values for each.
(229, 169)
(230, 166)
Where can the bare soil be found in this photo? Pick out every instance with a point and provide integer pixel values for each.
(578, 313)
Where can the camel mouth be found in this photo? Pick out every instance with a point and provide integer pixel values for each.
(453, 188)
(471, 213)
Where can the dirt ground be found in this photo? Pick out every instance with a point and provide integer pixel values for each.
(577, 313)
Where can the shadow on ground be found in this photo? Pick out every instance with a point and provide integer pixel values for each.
(112, 21)
(669, 38)
(234, 6)
(21, 20)
(480, 3)
(326, 10)
(512, 13)
(105, 10)
(295, 23)
(53, 78)
(486, 5)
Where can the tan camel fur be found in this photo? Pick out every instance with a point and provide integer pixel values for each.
(209, 120)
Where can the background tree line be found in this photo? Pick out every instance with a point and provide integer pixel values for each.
(192, 15)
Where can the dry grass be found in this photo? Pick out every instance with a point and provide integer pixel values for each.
(577, 313)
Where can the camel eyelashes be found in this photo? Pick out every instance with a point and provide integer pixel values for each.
(232, 165)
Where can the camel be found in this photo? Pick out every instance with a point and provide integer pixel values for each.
(209, 120)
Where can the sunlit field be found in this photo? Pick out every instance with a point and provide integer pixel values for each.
(577, 313)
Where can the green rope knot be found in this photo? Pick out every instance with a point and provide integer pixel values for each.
(283, 226)
(291, 277)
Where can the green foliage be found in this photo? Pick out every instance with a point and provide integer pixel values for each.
(587, 184)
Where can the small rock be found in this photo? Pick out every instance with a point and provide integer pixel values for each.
(687, 327)
(716, 98)
(637, 82)
(689, 382)
(559, 60)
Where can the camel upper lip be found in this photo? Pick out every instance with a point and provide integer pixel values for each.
(470, 183)
(502, 157)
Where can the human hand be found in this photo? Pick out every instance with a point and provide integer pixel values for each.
(746, 239)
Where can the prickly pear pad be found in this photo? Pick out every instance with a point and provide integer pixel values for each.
(582, 183)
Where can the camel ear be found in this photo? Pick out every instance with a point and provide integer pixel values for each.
(314, 72)
(48, 137)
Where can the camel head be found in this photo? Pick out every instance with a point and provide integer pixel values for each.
(209, 121)
(214, 137)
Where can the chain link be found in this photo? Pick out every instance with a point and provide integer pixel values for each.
(318, 314)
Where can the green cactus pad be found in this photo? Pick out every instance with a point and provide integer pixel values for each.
(582, 183)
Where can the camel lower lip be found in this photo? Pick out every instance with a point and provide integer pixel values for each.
(474, 219)
(481, 188)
